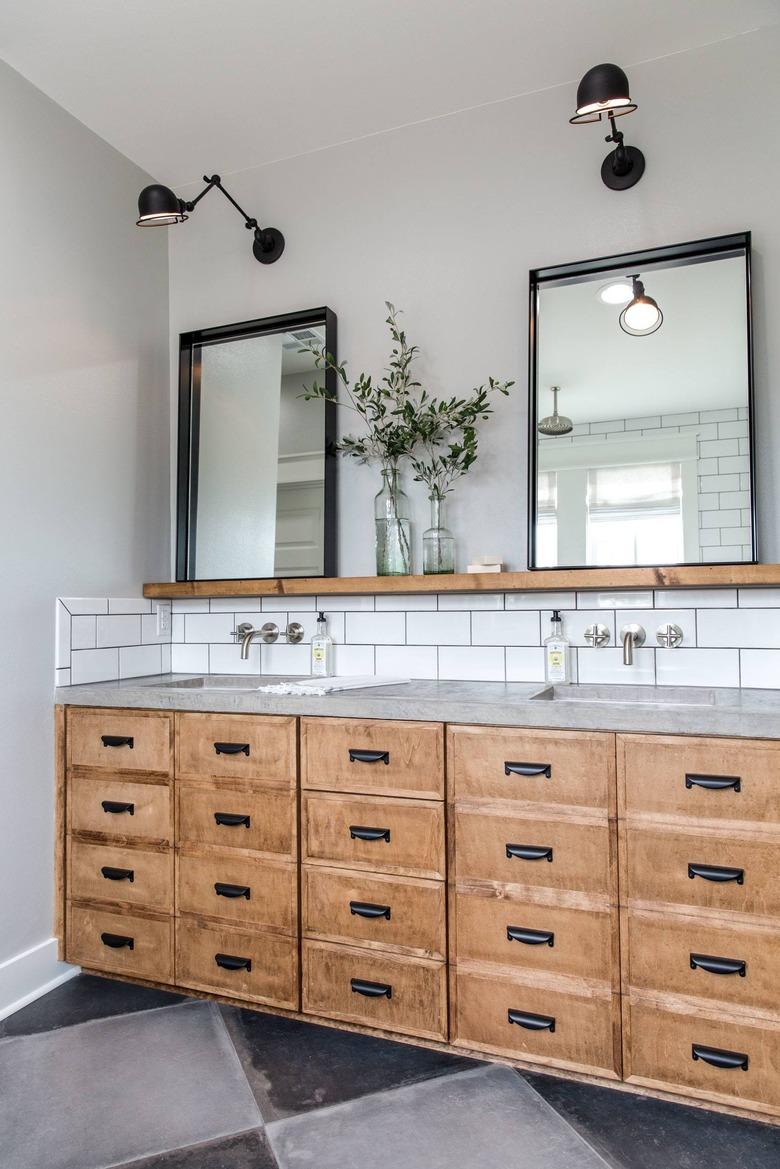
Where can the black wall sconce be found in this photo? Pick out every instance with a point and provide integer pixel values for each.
(603, 93)
(642, 315)
(158, 206)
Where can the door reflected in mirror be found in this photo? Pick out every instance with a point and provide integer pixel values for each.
(641, 446)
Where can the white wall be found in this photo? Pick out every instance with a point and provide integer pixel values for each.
(84, 473)
(446, 217)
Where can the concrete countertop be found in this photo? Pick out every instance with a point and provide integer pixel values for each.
(659, 710)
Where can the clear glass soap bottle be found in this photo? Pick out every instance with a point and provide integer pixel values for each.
(557, 653)
(322, 650)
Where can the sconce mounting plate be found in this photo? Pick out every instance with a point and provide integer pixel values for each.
(612, 177)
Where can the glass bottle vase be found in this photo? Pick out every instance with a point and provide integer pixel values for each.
(438, 542)
(393, 527)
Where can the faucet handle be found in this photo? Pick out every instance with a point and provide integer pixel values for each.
(597, 635)
(669, 636)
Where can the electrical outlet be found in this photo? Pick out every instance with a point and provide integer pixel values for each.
(163, 610)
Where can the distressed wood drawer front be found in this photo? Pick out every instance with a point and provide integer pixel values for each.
(259, 819)
(118, 740)
(373, 755)
(407, 995)
(553, 854)
(374, 910)
(530, 936)
(245, 890)
(550, 767)
(238, 963)
(726, 871)
(383, 835)
(663, 1043)
(239, 746)
(577, 1030)
(735, 963)
(120, 942)
(701, 779)
(127, 876)
(120, 808)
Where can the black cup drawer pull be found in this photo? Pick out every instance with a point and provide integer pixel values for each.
(715, 965)
(112, 874)
(117, 741)
(714, 782)
(117, 806)
(531, 1022)
(529, 852)
(233, 962)
(117, 941)
(371, 990)
(360, 832)
(223, 890)
(516, 933)
(544, 769)
(720, 1058)
(717, 873)
(357, 755)
(232, 819)
(231, 748)
(366, 909)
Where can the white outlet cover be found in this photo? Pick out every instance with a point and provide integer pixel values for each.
(163, 610)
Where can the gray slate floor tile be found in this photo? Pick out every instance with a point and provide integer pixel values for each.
(294, 1067)
(637, 1132)
(245, 1150)
(482, 1119)
(123, 1088)
(83, 998)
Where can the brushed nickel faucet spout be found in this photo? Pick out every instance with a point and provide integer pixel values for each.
(631, 635)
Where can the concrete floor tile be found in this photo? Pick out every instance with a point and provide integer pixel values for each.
(478, 1119)
(83, 998)
(119, 1089)
(245, 1150)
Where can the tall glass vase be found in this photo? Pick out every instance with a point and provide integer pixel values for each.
(438, 542)
(393, 527)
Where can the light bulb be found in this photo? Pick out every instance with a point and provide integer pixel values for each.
(641, 315)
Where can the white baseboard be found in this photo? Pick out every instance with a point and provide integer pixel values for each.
(28, 975)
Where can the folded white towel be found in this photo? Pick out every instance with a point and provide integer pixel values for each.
(320, 686)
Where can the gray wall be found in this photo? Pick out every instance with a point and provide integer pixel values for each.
(84, 473)
(446, 217)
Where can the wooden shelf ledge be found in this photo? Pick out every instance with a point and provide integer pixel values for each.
(566, 579)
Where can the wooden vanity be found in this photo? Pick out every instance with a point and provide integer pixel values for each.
(605, 904)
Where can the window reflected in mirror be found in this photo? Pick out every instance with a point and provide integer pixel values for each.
(641, 409)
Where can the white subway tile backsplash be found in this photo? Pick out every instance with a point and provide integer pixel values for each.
(517, 628)
(177, 627)
(760, 668)
(375, 628)
(226, 659)
(475, 663)
(767, 598)
(119, 630)
(280, 658)
(209, 627)
(335, 624)
(62, 677)
(406, 603)
(129, 605)
(232, 604)
(525, 664)
(606, 666)
(189, 659)
(438, 628)
(651, 621)
(93, 665)
(191, 605)
(138, 660)
(353, 659)
(697, 667)
(348, 603)
(85, 605)
(576, 621)
(740, 628)
(165, 658)
(695, 598)
(149, 634)
(541, 600)
(62, 645)
(406, 661)
(83, 632)
(450, 601)
(617, 599)
(280, 604)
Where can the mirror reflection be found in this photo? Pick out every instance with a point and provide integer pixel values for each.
(641, 410)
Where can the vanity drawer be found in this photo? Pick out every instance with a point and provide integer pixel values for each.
(121, 808)
(120, 741)
(664, 1041)
(238, 746)
(525, 1020)
(373, 755)
(701, 779)
(407, 995)
(549, 853)
(549, 767)
(383, 835)
(124, 943)
(395, 912)
(127, 876)
(261, 819)
(239, 963)
(261, 893)
(714, 870)
(530, 936)
(733, 962)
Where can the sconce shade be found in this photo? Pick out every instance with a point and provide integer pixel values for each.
(158, 206)
(642, 315)
(602, 91)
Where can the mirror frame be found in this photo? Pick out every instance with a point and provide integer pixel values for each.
(189, 418)
(681, 253)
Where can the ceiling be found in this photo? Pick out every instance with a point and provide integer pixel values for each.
(187, 86)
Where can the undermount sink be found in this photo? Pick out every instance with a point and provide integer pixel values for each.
(227, 682)
(633, 695)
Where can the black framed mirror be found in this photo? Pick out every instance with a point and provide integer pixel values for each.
(256, 490)
(641, 446)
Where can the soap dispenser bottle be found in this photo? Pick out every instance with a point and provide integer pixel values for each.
(322, 649)
(557, 653)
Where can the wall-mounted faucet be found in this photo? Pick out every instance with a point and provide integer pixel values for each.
(268, 633)
(669, 636)
(631, 635)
